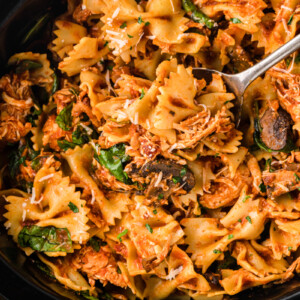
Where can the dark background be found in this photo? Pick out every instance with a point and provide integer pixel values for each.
(12, 287)
(16, 18)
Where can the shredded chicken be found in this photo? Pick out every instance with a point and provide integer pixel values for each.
(52, 132)
(200, 126)
(99, 265)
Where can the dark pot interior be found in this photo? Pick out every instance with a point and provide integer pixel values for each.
(17, 17)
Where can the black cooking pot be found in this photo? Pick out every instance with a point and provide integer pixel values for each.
(17, 18)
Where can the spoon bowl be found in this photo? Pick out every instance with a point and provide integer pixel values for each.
(238, 83)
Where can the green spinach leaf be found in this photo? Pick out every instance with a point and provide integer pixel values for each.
(79, 137)
(45, 239)
(114, 159)
(64, 118)
(27, 64)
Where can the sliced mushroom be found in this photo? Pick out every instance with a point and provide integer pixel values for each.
(275, 127)
(174, 174)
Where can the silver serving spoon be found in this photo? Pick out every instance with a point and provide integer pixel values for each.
(238, 83)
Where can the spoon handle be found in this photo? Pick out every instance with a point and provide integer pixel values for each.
(252, 73)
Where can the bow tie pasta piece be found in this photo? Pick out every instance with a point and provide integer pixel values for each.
(113, 9)
(68, 34)
(84, 54)
(67, 276)
(245, 17)
(111, 208)
(260, 264)
(41, 74)
(181, 274)
(244, 220)
(283, 29)
(235, 281)
(284, 237)
(53, 202)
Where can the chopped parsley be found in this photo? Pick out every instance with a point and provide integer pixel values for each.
(155, 211)
(73, 207)
(239, 220)
(297, 177)
(245, 198)
(217, 251)
(262, 188)
(105, 44)
(142, 94)
(290, 19)
(230, 236)
(290, 248)
(249, 219)
(130, 36)
(268, 165)
(176, 179)
(123, 25)
(149, 228)
(124, 232)
(160, 196)
(96, 243)
(235, 21)
(183, 172)
(64, 118)
(140, 20)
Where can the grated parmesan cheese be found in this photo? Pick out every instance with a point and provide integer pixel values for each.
(46, 177)
(159, 178)
(281, 70)
(127, 103)
(7, 225)
(285, 7)
(285, 26)
(113, 32)
(172, 147)
(172, 4)
(116, 12)
(151, 37)
(173, 273)
(24, 215)
(83, 6)
(148, 124)
(32, 198)
(93, 197)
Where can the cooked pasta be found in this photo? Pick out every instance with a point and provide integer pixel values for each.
(127, 177)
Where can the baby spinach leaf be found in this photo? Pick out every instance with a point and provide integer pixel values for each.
(27, 64)
(15, 159)
(96, 243)
(79, 137)
(64, 118)
(55, 85)
(113, 159)
(73, 207)
(45, 239)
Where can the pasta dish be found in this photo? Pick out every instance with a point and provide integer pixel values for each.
(127, 178)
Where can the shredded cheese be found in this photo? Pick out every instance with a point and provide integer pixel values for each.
(159, 178)
(46, 177)
(173, 273)
(93, 197)
(116, 12)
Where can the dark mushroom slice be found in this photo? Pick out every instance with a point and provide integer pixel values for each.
(239, 59)
(175, 175)
(275, 128)
(178, 173)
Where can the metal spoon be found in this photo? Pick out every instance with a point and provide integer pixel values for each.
(238, 83)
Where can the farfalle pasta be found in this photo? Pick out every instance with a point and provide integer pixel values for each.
(126, 176)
